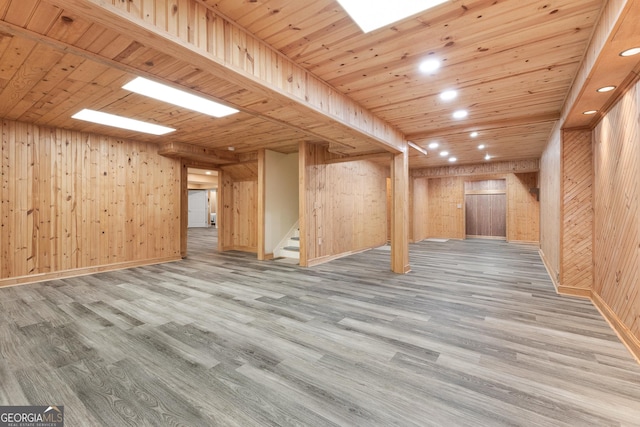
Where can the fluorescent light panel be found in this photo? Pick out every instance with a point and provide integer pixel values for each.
(373, 14)
(120, 122)
(174, 96)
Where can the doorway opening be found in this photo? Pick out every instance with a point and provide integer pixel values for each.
(202, 232)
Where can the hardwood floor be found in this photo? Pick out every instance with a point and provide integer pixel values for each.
(474, 335)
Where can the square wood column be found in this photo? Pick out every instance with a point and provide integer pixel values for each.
(400, 212)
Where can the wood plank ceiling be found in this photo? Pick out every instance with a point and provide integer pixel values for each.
(512, 63)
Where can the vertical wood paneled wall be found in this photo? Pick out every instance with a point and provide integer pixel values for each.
(344, 208)
(419, 208)
(238, 208)
(523, 208)
(436, 199)
(577, 213)
(446, 200)
(616, 243)
(550, 201)
(74, 203)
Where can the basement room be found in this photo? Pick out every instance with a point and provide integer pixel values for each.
(320, 213)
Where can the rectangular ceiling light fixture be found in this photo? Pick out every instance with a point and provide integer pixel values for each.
(178, 97)
(373, 14)
(120, 122)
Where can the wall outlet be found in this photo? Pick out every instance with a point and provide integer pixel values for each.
(319, 240)
(459, 206)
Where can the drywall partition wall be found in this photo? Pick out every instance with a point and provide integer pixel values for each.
(344, 206)
(576, 272)
(616, 243)
(550, 204)
(281, 196)
(238, 207)
(74, 203)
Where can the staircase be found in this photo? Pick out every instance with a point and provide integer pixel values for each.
(289, 247)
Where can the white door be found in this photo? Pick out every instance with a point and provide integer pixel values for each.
(198, 208)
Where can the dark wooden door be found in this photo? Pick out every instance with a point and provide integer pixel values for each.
(486, 208)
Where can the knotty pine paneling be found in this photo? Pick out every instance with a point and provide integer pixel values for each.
(523, 219)
(78, 202)
(616, 241)
(577, 212)
(482, 169)
(446, 213)
(438, 211)
(345, 206)
(238, 208)
(419, 209)
(550, 204)
(208, 41)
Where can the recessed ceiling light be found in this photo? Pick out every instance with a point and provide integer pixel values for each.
(429, 66)
(434, 145)
(444, 153)
(452, 159)
(121, 122)
(448, 95)
(588, 113)
(487, 157)
(371, 15)
(208, 172)
(606, 89)
(232, 148)
(481, 147)
(178, 97)
(460, 114)
(474, 134)
(630, 52)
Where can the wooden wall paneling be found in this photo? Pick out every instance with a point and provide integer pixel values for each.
(389, 204)
(498, 209)
(576, 273)
(523, 217)
(480, 169)
(225, 213)
(184, 207)
(616, 241)
(245, 210)
(261, 205)
(550, 200)
(344, 208)
(44, 176)
(238, 214)
(304, 206)
(75, 203)
(446, 219)
(106, 175)
(420, 209)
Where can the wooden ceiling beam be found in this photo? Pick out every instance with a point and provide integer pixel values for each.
(207, 40)
(203, 155)
(484, 126)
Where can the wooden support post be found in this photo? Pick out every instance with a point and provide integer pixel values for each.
(261, 204)
(304, 214)
(223, 220)
(184, 208)
(400, 212)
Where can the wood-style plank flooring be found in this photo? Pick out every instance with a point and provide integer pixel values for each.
(475, 335)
